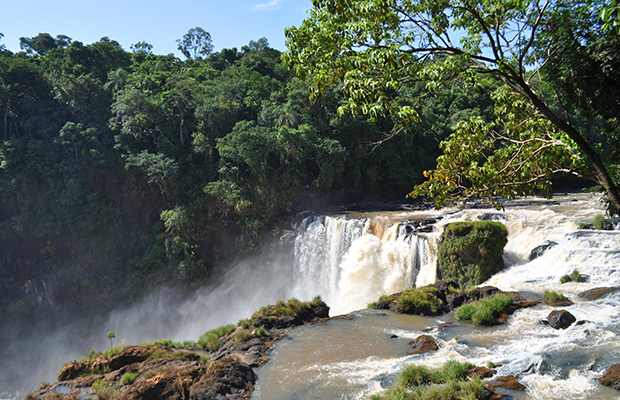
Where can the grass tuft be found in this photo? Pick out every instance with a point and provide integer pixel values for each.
(484, 312)
(128, 378)
(210, 339)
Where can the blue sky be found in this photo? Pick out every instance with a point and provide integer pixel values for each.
(231, 23)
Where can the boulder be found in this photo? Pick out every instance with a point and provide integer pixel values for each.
(560, 319)
(509, 382)
(129, 355)
(471, 251)
(611, 377)
(597, 293)
(226, 379)
(480, 372)
(423, 344)
(172, 385)
(541, 248)
(72, 370)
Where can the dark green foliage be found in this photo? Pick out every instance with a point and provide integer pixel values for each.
(470, 251)
(486, 311)
(420, 301)
(574, 276)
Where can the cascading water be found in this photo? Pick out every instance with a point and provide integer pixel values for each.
(353, 261)
(353, 359)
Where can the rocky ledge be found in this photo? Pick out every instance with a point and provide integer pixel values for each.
(446, 296)
(218, 366)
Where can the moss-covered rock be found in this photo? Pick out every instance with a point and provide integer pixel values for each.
(470, 252)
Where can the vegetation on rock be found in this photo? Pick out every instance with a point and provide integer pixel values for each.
(487, 311)
(417, 382)
(471, 250)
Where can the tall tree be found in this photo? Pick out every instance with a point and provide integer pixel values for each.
(373, 48)
(196, 43)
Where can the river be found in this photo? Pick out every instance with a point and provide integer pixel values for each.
(353, 259)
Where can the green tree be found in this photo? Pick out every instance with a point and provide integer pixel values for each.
(375, 48)
(196, 43)
(43, 43)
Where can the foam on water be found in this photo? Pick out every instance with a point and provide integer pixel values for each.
(552, 364)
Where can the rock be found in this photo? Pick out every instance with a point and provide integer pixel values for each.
(72, 370)
(480, 372)
(471, 251)
(597, 293)
(492, 217)
(129, 355)
(423, 344)
(541, 248)
(611, 377)
(509, 382)
(171, 385)
(559, 303)
(226, 379)
(560, 319)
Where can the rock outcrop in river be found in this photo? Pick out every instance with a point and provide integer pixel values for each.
(165, 370)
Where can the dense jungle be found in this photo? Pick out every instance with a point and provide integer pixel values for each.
(123, 172)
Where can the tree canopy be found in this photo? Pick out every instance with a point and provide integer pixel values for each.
(375, 48)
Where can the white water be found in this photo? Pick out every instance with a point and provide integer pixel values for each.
(351, 262)
(552, 364)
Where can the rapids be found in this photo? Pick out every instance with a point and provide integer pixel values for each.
(350, 260)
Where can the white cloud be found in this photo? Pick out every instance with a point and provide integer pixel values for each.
(272, 5)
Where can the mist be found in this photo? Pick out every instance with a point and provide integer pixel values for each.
(166, 314)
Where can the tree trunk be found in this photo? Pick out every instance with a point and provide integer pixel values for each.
(6, 115)
(597, 166)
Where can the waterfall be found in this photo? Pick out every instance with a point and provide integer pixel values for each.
(353, 261)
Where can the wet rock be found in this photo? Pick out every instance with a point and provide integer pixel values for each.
(423, 344)
(612, 377)
(480, 372)
(563, 302)
(173, 385)
(226, 379)
(72, 370)
(560, 319)
(541, 249)
(492, 217)
(597, 293)
(509, 382)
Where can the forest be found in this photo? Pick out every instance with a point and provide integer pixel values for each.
(124, 171)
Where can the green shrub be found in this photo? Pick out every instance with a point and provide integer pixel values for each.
(260, 331)
(466, 311)
(423, 300)
(449, 382)
(211, 338)
(292, 307)
(551, 295)
(470, 251)
(598, 221)
(414, 375)
(129, 377)
(483, 316)
(105, 391)
(574, 276)
(243, 336)
(484, 312)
